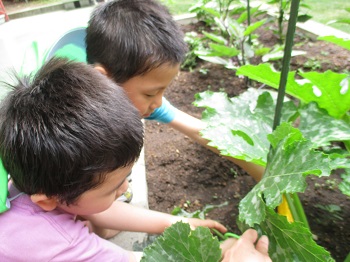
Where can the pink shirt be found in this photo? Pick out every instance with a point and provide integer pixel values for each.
(28, 233)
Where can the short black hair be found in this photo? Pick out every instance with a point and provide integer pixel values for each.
(63, 129)
(132, 37)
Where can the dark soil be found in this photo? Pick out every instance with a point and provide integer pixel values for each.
(184, 174)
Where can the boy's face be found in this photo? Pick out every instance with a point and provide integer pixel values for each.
(146, 91)
(100, 198)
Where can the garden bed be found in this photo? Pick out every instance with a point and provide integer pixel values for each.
(185, 174)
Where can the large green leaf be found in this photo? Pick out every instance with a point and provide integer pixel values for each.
(179, 243)
(290, 159)
(264, 73)
(290, 242)
(329, 90)
(319, 127)
(238, 126)
(336, 40)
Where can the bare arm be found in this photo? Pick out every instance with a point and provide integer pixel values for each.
(135, 256)
(126, 217)
(191, 126)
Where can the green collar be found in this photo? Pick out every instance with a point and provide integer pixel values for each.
(4, 206)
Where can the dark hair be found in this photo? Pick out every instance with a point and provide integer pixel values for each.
(62, 130)
(132, 37)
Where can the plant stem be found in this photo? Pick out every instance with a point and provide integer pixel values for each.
(294, 203)
(218, 233)
(297, 209)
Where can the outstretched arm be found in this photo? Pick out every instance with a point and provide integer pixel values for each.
(126, 217)
(191, 127)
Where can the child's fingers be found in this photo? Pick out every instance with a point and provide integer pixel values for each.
(215, 225)
(218, 226)
(195, 222)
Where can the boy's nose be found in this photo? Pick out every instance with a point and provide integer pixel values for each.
(122, 189)
(156, 103)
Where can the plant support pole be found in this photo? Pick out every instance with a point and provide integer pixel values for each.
(293, 201)
(286, 60)
(248, 20)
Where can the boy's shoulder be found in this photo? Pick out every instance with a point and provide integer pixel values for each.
(31, 234)
(27, 230)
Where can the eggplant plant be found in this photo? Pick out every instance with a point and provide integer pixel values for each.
(280, 8)
(230, 42)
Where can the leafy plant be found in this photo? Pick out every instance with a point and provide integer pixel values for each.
(280, 9)
(194, 43)
(180, 243)
(293, 157)
(312, 64)
(324, 106)
(229, 43)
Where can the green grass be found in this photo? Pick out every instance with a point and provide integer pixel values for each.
(177, 7)
(322, 11)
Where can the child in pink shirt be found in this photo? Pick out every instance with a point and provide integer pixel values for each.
(69, 137)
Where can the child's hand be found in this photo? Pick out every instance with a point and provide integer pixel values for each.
(196, 222)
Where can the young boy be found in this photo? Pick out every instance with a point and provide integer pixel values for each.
(69, 137)
(68, 151)
(140, 46)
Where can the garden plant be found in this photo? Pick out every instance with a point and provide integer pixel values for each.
(292, 143)
(230, 42)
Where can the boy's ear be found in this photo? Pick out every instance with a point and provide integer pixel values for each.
(101, 69)
(46, 203)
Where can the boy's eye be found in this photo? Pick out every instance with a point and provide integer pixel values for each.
(152, 94)
(155, 92)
